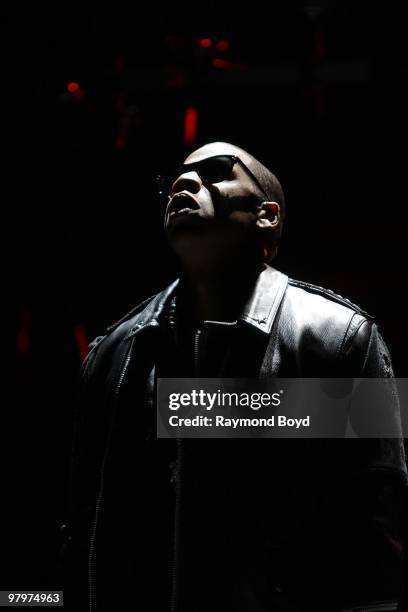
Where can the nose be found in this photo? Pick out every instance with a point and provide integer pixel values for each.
(189, 181)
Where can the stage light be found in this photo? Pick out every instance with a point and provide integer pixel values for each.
(73, 87)
(190, 125)
(205, 43)
(81, 339)
(220, 63)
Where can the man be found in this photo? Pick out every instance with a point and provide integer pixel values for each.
(233, 525)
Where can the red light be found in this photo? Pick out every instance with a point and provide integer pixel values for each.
(223, 45)
(81, 339)
(205, 43)
(73, 87)
(219, 63)
(190, 125)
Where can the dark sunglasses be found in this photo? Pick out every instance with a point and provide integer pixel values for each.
(210, 170)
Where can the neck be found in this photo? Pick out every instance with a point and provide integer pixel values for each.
(219, 294)
(219, 271)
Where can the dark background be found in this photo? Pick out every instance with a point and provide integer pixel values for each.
(317, 91)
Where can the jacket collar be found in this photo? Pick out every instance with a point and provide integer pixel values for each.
(260, 310)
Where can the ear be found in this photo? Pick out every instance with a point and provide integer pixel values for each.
(268, 215)
(269, 227)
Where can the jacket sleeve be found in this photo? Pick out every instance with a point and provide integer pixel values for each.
(72, 561)
(374, 534)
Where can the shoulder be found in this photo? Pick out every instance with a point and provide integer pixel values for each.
(320, 296)
(317, 307)
(146, 314)
(322, 322)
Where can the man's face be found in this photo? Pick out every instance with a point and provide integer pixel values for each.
(198, 204)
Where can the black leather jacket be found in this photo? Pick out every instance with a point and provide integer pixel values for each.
(232, 525)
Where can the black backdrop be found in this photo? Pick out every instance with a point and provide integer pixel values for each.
(317, 91)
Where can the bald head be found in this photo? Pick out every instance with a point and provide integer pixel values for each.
(267, 179)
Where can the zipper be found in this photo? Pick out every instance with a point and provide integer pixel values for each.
(91, 560)
(196, 349)
(177, 509)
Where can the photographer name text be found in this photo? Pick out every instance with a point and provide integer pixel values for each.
(234, 423)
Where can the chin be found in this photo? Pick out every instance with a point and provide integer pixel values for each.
(189, 224)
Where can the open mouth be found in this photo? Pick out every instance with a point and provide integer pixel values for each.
(182, 204)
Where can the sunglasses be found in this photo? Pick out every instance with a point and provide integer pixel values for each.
(210, 170)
